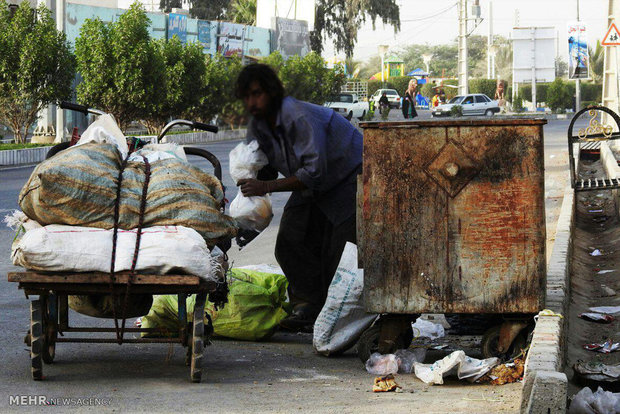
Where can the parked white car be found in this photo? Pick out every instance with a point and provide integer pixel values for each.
(392, 95)
(474, 104)
(348, 105)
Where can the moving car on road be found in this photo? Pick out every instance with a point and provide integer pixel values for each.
(473, 104)
(348, 105)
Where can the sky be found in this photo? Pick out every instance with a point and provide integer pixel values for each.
(435, 22)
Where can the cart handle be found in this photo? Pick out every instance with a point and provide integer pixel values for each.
(217, 167)
(80, 108)
(193, 124)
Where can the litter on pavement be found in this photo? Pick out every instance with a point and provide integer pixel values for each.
(386, 384)
(596, 252)
(505, 373)
(597, 371)
(599, 402)
(611, 310)
(455, 363)
(602, 272)
(597, 317)
(604, 348)
(423, 328)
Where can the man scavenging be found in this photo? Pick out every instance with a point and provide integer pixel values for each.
(319, 154)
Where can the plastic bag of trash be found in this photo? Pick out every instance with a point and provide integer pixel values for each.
(407, 357)
(423, 328)
(597, 371)
(252, 213)
(343, 318)
(456, 363)
(382, 365)
(599, 402)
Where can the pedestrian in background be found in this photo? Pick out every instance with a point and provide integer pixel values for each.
(409, 100)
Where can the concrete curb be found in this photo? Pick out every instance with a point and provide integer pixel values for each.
(30, 156)
(544, 382)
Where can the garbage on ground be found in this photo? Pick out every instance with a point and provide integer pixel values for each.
(604, 348)
(506, 373)
(251, 213)
(602, 272)
(599, 402)
(456, 363)
(611, 310)
(597, 371)
(379, 364)
(597, 317)
(255, 307)
(439, 347)
(607, 291)
(401, 361)
(386, 384)
(343, 318)
(423, 328)
(596, 252)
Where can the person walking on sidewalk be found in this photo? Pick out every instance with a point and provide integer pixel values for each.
(409, 100)
(319, 153)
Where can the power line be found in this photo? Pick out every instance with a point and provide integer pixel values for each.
(429, 17)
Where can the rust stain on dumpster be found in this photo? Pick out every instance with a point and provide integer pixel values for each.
(428, 248)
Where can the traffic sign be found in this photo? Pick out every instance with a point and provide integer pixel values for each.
(612, 38)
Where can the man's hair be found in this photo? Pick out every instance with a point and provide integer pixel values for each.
(266, 78)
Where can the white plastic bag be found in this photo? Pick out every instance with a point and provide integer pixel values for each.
(251, 213)
(456, 363)
(343, 317)
(382, 365)
(423, 328)
(599, 402)
(105, 130)
(163, 249)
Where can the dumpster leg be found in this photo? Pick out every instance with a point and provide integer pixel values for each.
(392, 326)
(508, 332)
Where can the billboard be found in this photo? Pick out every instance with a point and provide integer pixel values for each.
(257, 42)
(266, 10)
(230, 39)
(204, 34)
(291, 37)
(533, 54)
(578, 58)
(177, 26)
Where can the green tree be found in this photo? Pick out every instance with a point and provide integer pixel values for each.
(308, 79)
(36, 66)
(341, 19)
(167, 5)
(597, 59)
(559, 96)
(561, 67)
(209, 9)
(242, 11)
(122, 71)
(184, 71)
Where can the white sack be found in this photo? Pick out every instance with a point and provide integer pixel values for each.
(251, 213)
(343, 317)
(105, 130)
(599, 402)
(423, 328)
(456, 363)
(157, 152)
(163, 249)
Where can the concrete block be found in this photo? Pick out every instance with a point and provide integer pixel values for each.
(547, 393)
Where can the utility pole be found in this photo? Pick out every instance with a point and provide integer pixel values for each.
(611, 67)
(490, 58)
(577, 81)
(60, 113)
(462, 48)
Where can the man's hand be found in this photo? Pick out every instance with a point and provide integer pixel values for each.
(250, 187)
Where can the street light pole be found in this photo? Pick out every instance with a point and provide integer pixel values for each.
(462, 56)
(577, 81)
(490, 57)
(60, 113)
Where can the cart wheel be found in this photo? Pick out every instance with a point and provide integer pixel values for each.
(197, 345)
(490, 342)
(36, 339)
(49, 348)
(369, 341)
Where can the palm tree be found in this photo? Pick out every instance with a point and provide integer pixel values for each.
(596, 62)
(243, 11)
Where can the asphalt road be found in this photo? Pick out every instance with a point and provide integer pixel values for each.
(281, 375)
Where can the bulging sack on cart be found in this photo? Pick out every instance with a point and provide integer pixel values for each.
(103, 306)
(252, 213)
(343, 318)
(255, 307)
(78, 187)
(163, 249)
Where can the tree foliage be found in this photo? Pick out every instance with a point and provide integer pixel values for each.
(208, 9)
(242, 11)
(36, 66)
(559, 96)
(341, 19)
(121, 67)
(597, 59)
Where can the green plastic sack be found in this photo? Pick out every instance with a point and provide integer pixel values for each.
(256, 305)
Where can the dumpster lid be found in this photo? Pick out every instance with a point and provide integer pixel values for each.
(473, 122)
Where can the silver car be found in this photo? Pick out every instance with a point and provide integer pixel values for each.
(474, 104)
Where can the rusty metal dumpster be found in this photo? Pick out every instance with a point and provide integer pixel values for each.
(451, 216)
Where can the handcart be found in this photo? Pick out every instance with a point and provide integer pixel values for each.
(451, 220)
(49, 314)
